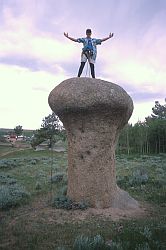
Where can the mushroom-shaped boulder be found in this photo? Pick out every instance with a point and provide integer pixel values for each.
(93, 112)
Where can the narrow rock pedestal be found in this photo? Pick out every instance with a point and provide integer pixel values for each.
(93, 112)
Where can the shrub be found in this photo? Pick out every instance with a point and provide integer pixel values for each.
(66, 203)
(9, 163)
(6, 179)
(12, 195)
(62, 202)
(38, 186)
(33, 162)
(147, 233)
(81, 205)
(144, 246)
(56, 178)
(138, 177)
(90, 243)
(123, 181)
(118, 245)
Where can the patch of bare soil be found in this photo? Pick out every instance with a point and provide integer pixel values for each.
(41, 211)
(60, 216)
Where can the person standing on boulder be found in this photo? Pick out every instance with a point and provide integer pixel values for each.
(89, 51)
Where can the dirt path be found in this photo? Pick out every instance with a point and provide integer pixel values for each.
(9, 152)
(13, 150)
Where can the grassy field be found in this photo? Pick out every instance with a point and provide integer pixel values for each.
(29, 182)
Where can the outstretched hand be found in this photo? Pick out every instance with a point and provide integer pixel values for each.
(71, 38)
(66, 34)
(111, 35)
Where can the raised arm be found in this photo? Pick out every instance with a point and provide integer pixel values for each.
(72, 39)
(106, 38)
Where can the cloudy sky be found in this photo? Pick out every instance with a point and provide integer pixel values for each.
(35, 56)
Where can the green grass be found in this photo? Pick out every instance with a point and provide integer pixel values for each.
(32, 233)
(30, 167)
(5, 148)
(37, 225)
(144, 177)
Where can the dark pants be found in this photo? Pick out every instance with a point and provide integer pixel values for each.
(92, 68)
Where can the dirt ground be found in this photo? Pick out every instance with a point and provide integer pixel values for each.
(41, 210)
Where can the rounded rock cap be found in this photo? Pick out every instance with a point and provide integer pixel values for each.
(89, 94)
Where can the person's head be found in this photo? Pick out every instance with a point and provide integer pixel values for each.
(88, 32)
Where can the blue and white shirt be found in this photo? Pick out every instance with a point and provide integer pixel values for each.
(90, 44)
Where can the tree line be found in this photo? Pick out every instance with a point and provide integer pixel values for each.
(147, 137)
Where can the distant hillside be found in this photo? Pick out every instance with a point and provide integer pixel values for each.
(26, 132)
